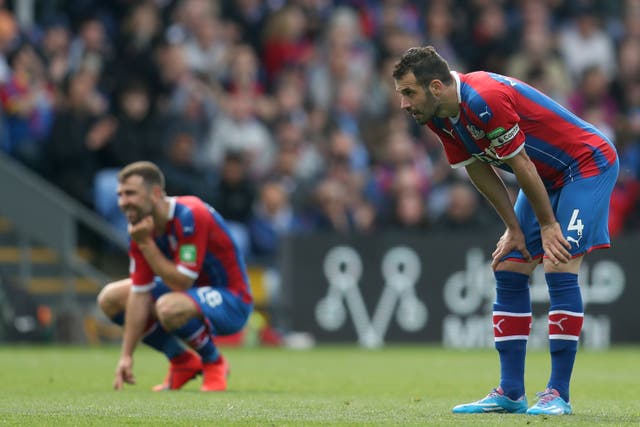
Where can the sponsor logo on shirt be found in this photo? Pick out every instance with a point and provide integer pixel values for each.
(188, 254)
(505, 137)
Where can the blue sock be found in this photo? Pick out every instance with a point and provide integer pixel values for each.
(157, 338)
(511, 327)
(565, 324)
(196, 334)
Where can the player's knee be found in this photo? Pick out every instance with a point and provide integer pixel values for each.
(112, 298)
(174, 310)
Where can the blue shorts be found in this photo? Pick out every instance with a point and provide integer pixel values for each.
(225, 312)
(581, 208)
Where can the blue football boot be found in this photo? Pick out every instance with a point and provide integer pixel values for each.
(550, 403)
(495, 402)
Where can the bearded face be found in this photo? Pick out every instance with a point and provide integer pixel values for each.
(135, 199)
(417, 100)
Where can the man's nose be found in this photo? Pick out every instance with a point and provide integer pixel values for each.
(404, 104)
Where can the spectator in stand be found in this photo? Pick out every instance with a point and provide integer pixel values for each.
(622, 87)
(245, 76)
(407, 200)
(401, 152)
(136, 136)
(28, 102)
(592, 94)
(238, 129)
(623, 209)
(90, 48)
(464, 212)
(137, 42)
(272, 219)
(249, 18)
(285, 42)
(234, 196)
(54, 48)
(80, 130)
(206, 50)
(298, 163)
(440, 27)
(9, 33)
(584, 44)
(180, 168)
(537, 64)
(343, 54)
(491, 40)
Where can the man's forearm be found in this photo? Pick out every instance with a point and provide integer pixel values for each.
(163, 267)
(489, 184)
(137, 312)
(532, 186)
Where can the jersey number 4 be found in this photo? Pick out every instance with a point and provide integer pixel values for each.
(575, 223)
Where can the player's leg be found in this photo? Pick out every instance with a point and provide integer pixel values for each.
(512, 320)
(582, 210)
(196, 316)
(565, 324)
(511, 327)
(112, 300)
(184, 365)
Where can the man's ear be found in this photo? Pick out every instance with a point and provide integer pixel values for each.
(157, 192)
(436, 87)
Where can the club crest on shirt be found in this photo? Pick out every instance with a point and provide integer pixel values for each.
(475, 132)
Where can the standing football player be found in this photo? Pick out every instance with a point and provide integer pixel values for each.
(566, 170)
(187, 284)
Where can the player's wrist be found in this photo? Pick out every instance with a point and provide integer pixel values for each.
(548, 225)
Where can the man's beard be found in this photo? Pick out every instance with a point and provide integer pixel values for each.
(140, 214)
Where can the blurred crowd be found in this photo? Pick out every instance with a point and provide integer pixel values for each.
(283, 115)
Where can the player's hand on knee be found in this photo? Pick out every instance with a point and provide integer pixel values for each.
(511, 240)
(556, 247)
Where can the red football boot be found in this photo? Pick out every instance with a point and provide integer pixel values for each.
(215, 375)
(182, 369)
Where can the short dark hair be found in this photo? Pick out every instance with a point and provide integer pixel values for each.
(150, 173)
(425, 63)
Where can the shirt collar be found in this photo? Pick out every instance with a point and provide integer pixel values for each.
(456, 78)
(172, 208)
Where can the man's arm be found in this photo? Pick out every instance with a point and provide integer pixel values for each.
(161, 265)
(136, 314)
(164, 267)
(554, 244)
(489, 183)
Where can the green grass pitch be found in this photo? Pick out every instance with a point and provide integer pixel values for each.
(329, 385)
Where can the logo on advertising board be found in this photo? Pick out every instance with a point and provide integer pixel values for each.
(343, 270)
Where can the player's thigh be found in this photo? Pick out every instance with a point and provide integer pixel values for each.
(225, 312)
(582, 209)
(112, 299)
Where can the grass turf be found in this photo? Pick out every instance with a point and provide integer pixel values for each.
(329, 385)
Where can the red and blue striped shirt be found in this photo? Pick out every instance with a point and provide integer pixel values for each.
(499, 116)
(197, 240)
